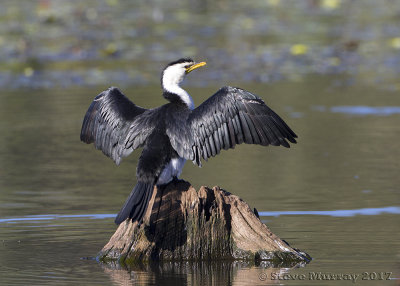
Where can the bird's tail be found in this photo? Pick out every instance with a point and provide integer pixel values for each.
(136, 204)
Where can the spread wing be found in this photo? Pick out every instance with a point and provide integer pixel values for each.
(234, 116)
(111, 123)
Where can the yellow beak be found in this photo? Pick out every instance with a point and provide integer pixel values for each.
(195, 66)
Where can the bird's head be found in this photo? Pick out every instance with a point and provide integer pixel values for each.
(175, 72)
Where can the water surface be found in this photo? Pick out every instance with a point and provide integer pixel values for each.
(335, 194)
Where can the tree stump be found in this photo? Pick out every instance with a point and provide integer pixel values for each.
(183, 224)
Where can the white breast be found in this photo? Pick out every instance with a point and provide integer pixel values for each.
(171, 170)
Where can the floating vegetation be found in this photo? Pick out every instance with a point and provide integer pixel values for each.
(261, 41)
(298, 49)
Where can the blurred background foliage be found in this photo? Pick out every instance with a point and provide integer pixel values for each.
(57, 43)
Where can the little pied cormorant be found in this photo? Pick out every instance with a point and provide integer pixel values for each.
(176, 132)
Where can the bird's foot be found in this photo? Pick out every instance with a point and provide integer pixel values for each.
(176, 180)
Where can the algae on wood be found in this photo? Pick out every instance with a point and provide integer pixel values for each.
(183, 224)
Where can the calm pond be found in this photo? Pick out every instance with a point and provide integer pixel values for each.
(335, 194)
(330, 68)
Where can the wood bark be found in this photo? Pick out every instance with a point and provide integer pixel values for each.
(183, 224)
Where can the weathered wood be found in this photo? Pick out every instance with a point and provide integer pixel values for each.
(183, 224)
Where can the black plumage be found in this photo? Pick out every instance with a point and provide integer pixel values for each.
(107, 122)
(231, 116)
(174, 132)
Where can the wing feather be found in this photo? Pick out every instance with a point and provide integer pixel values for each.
(108, 122)
(245, 128)
(234, 116)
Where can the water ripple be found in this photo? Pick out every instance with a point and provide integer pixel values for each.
(360, 110)
(335, 213)
(36, 218)
(338, 213)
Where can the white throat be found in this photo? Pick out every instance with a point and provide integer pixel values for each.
(171, 79)
(186, 98)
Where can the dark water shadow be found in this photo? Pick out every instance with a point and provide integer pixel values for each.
(199, 273)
